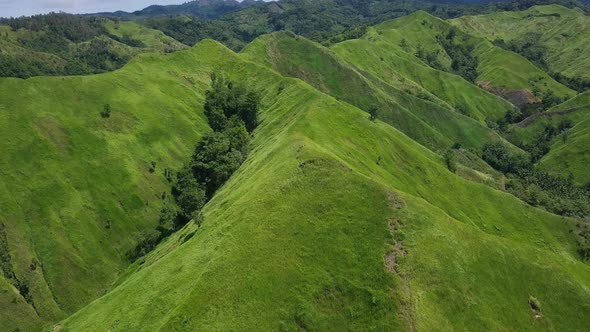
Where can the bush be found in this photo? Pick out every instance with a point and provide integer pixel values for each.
(373, 113)
(106, 111)
(450, 161)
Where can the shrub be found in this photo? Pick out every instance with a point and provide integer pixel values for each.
(373, 113)
(450, 161)
(106, 111)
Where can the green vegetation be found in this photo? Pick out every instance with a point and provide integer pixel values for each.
(557, 194)
(63, 44)
(231, 111)
(77, 192)
(312, 184)
(403, 103)
(404, 176)
(552, 36)
(564, 150)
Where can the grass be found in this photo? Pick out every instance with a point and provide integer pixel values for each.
(297, 238)
(563, 32)
(499, 68)
(154, 40)
(431, 122)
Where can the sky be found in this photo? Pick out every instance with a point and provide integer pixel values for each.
(14, 8)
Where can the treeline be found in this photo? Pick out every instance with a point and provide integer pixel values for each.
(463, 63)
(191, 30)
(542, 144)
(232, 113)
(75, 28)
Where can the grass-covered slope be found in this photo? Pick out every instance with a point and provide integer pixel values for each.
(408, 107)
(150, 38)
(570, 151)
(26, 53)
(300, 237)
(562, 32)
(76, 190)
(503, 72)
(380, 54)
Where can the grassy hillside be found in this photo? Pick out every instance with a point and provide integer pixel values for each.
(562, 33)
(379, 57)
(27, 52)
(569, 152)
(76, 188)
(408, 107)
(498, 69)
(336, 222)
(151, 39)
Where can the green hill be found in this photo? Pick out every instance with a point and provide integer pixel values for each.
(408, 107)
(503, 72)
(76, 189)
(35, 51)
(558, 35)
(336, 222)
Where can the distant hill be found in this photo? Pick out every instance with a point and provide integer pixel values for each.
(554, 37)
(202, 8)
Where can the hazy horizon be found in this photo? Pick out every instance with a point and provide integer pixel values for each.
(15, 8)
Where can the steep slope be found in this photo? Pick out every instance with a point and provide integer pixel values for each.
(562, 33)
(569, 152)
(300, 237)
(380, 55)
(152, 40)
(410, 108)
(502, 72)
(76, 188)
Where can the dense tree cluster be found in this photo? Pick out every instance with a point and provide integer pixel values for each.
(542, 144)
(232, 113)
(75, 28)
(555, 193)
(463, 63)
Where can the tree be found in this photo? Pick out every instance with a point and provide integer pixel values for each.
(404, 44)
(226, 99)
(189, 195)
(450, 161)
(215, 159)
(373, 113)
